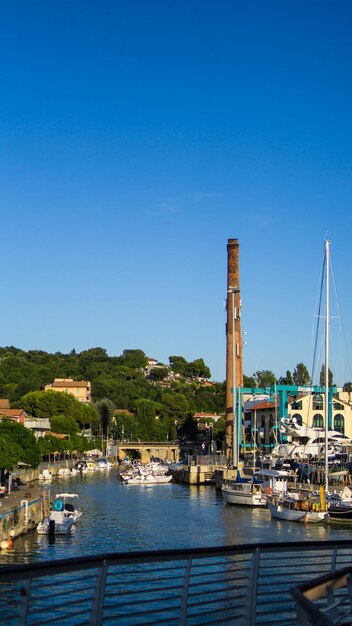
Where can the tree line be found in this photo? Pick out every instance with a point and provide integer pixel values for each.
(129, 400)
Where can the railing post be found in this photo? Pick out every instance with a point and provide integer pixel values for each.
(96, 613)
(184, 595)
(251, 612)
(23, 603)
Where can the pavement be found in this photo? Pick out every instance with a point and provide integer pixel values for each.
(13, 499)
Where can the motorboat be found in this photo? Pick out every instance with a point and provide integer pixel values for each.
(151, 473)
(304, 442)
(103, 463)
(57, 523)
(149, 479)
(62, 517)
(65, 472)
(45, 476)
(68, 501)
(243, 493)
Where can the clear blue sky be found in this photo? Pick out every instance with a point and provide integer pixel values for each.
(137, 137)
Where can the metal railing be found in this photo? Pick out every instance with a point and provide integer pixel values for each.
(325, 601)
(243, 585)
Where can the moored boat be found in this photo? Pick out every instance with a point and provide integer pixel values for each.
(244, 494)
(63, 516)
(295, 509)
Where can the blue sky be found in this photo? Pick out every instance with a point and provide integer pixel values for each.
(137, 137)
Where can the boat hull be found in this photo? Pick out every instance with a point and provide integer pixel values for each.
(279, 511)
(341, 513)
(232, 496)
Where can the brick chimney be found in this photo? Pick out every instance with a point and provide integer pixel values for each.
(233, 340)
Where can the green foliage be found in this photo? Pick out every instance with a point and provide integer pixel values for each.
(10, 453)
(106, 410)
(249, 381)
(322, 377)
(22, 443)
(50, 444)
(127, 426)
(286, 380)
(178, 364)
(301, 375)
(264, 378)
(347, 387)
(53, 403)
(63, 424)
(134, 359)
(194, 369)
(158, 373)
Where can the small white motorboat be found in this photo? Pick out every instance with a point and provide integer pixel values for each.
(103, 463)
(62, 517)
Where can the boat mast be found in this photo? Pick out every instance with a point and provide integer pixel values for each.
(327, 270)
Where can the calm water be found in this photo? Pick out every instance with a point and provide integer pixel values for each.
(118, 517)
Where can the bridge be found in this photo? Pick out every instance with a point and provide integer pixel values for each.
(159, 449)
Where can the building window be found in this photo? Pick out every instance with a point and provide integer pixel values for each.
(296, 405)
(318, 403)
(318, 421)
(338, 407)
(298, 418)
(339, 423)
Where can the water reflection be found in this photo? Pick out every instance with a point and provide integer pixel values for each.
(118, 517)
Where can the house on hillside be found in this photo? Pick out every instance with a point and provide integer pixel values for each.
(15, 415)
(39, 425)
(80, 389)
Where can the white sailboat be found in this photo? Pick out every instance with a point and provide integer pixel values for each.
(292, 507)
(340, 506)
(245, 492)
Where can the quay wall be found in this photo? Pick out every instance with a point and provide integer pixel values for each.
(23, 508)
(23, 513)
(195, 474)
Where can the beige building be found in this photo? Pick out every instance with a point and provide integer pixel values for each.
(80, 389)
(309, 410)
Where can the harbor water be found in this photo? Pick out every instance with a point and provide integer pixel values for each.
(120, 518)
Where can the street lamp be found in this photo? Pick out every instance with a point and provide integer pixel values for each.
(233, 291)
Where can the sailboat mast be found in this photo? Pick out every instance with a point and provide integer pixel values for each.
(327, 270)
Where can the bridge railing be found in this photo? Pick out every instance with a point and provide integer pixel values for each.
(244, 585)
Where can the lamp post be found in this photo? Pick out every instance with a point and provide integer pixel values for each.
(233, 291)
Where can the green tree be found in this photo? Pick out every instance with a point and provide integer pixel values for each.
(127, 426)
(286, 380)
(322, 377)
(10, 453)
(178, 364)
(134, 359)
(197, 369)
(146, 411)
(347, 387)
(106, 410)
(24, 441)
(158, 373)
(249, 381)
(301, 375)
(264, 378)
(175, 406)
(63, 424)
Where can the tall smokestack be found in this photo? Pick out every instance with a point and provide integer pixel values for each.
(234, 370)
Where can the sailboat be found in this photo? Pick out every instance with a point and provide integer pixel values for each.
(245, 491)
(291, 506)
